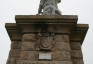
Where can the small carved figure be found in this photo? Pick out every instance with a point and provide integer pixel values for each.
(49, 7)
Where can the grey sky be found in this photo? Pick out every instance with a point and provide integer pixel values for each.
(10, 8)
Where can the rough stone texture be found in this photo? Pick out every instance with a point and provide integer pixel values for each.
(58, 38)
(31, 28)
(43, 62)
(16, 45)
(29, 37)
(65, 38)
(51, 28)
(61, 56)
(65, 28)
(78, 61)
(75, 45)
(26, 62)
(62, 46)
(54, 62)
(62, 62)
(76, 54)
(38, 49)
(56, 56)
(28, 46)
(62, 38)
(14, 53)
(45, 41)
(12, 60)
(15, 35)
(29, 55)
(65, 62)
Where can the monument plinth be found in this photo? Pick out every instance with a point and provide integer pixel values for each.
(46, 39)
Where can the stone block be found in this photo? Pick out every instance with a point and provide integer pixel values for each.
(26, 62)
(76, 54)
(65, 38)
(62, 62)
(12, 60)
(61, 56)
(43, 62)
(50, 28)
(31, 28)
(75, 45)
(58, 38)
(28, 46)
(16, 45)
(14, 53)
(29, 37)
(15, 35)
(63, 28)
(29, 55)
(78, 61)
(62, 46)
(55, 56)
(62, 38)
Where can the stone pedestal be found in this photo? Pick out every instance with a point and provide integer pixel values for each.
(58, 36)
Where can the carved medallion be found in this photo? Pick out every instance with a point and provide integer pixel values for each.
(45, 41)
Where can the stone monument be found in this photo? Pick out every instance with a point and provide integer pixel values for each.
(46, 38)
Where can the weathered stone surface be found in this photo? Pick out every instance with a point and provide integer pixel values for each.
(16, 44)
(75, 45)
(43, 62)
(62, 46)
(15, 35)
(14, 53)
(62, 38)
(58, 38)
(65, 38)
(62, 62)
(64, 28)
(29, 55)
(61, 56)
(28, 46)
(29, 37)
(56, 56)
(38, 49)
(78, 61)
(12, 60)
(26, 62)
(45, 41)
(30, 27)
(50, 28)
(76, 54)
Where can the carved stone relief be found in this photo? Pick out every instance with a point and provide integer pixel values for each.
(45, 41)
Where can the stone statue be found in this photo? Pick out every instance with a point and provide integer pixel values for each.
(49, 7)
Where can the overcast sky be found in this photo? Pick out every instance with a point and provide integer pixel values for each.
(10, 8)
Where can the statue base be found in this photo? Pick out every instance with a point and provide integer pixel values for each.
(46, 39)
